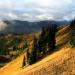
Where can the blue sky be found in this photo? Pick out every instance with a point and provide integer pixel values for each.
(34, 10)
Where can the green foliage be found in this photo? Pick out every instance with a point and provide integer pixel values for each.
(72, 42)
(12, 46)
(72, 26)
(2, 46)
(45, 43)
(47, 40)
(33, 55)
(2, 64)
(15, 43)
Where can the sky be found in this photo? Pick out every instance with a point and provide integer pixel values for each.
(35, 10)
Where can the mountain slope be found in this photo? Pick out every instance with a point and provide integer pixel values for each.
(59, 63)
(12, 67)
(22, 27)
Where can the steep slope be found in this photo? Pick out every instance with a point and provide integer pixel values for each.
(59, 63)
(12, 67)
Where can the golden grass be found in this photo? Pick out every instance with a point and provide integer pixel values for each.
(59, 63)
(12, 67)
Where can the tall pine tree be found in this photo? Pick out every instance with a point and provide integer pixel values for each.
(33, 54)
(72, 26)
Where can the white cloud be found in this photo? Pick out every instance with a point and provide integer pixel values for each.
(7, 4)
(2, 25)
(13, 16)
(38, 9)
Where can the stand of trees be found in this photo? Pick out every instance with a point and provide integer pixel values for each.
(33, 54)
(47, 40)
(72, 26)
(3, 51)
(45, 43)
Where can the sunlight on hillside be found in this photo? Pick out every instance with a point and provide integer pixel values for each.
(61, 62)
(12, 67)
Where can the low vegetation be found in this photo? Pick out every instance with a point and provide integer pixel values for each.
(72, 26)
(36, 47)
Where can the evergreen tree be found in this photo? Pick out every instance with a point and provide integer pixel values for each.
(72, 26)
(26, 47)
(51, 36)
(42, 41)
(45, 43)
(47, 40)
(33, 54)
(2, 46)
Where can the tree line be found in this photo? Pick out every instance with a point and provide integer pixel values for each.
(42, 45)
(72, 27)
(47, 43)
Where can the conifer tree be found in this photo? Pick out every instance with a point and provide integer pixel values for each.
(42, 41)
(72, 26)
(47, 40)
(51, 36)
(33, 54)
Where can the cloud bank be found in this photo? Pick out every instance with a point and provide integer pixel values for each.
(2, 26)
(33, 10)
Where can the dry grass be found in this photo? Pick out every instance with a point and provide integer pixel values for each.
(12, 67)
(59, 63)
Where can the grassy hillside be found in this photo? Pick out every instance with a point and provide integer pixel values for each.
(59, 63)
(12, 46)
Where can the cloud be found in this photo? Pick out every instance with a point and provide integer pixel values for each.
(8, 16)
(37, 9)
(2, 25)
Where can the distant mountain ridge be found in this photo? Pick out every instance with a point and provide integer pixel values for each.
(22, 27)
